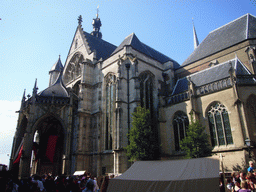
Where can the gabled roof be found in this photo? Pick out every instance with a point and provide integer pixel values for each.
(133, 41)
(56, 90)
(235, 32)
(210, 75)
(102, 48)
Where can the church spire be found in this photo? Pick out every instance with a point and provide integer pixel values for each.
(35, 88)
(96, 23)
(23, 99)
(196, 43)
(34, 92)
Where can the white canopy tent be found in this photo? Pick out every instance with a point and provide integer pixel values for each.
(195, 175)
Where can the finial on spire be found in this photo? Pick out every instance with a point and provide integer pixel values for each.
(96, 26)
(196, 42)
(97, 15)
(80, 20)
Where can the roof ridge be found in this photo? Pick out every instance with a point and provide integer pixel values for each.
(247, 27)
(131, 36)
(230, 34)
(231, 22)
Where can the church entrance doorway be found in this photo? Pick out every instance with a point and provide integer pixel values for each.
(48, 147)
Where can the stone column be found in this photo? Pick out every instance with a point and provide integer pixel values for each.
(193, 102)
(24, 170)
(100, 135)
(69, 136)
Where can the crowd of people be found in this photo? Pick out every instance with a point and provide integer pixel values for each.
(238, 182)
(48, 183)
(243, 181)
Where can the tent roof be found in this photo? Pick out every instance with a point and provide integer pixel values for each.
(172, 170)
(199, 175)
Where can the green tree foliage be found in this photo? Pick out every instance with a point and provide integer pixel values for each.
(196, 143)
(143, 142)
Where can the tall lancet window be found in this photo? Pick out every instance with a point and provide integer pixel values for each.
(219, 125)
(146, 91)
(110, 101)
(180, 124)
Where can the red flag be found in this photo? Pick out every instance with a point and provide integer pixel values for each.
(50, 150)
(19, 156)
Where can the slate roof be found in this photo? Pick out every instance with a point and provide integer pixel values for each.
(103, 48)
(56, 90)
(210, 75)
(235, 32)
(133, 41)
(57, 66)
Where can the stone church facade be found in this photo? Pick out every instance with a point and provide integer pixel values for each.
(81, 121)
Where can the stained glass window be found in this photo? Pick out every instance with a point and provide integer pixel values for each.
(219, 125)
(146, 91)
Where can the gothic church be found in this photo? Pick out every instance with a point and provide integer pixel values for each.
(81, 121)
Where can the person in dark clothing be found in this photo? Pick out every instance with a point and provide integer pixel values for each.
(60, 186)
(49, 184)
(72, 186)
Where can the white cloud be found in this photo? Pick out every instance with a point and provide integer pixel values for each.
(8, 119)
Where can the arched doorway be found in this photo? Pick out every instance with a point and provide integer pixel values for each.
(48, 147)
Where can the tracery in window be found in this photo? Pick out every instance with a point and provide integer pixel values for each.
(110, 101)
(146, 91)
(74, 68)
(219, 125)
(180, 124)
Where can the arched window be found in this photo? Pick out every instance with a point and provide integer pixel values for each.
(180, 124)
(219, 125)
(110, 101)
(73, 70)
(146, 91)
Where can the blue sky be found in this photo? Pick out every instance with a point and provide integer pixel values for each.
(34, 33)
